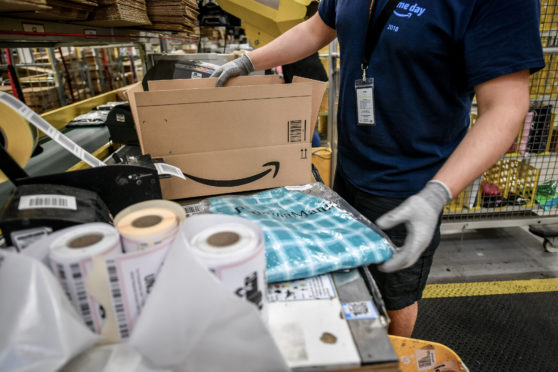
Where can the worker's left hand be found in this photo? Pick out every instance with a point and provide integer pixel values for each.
(420, 214)
(237, 67)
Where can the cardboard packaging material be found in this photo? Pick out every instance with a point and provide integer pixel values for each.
(254, 133)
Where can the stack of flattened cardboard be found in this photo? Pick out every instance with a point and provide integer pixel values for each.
(77, 10)
(120, 13)
(22, 5)
(173, 15)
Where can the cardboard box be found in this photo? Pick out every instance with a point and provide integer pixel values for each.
(255, 133)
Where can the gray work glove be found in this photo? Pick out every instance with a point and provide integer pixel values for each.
(237, 67)
(420, 214)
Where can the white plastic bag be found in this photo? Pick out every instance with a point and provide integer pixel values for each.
(190, 322)
(40, 330)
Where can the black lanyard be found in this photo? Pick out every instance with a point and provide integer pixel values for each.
(374, 30)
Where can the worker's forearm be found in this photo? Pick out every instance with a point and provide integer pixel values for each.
(297, 43)
(485, 143)
(502, 107)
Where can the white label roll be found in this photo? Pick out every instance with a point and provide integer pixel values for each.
(131, 277)
(70, 257)
(149, 224)
(147, 228)
(123, 282)
(233, 249)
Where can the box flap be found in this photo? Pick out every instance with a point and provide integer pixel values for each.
(224, 124)
(238, 93)
(318, 90)
(211, 82)
(130, 93)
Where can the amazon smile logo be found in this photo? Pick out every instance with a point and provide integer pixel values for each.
(406, 10)
(240, 181)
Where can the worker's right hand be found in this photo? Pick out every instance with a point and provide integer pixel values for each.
(239, 66)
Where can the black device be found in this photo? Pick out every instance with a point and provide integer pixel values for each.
(55, 201)
(129, 180)
(177, 67)
(120, 124)
(119, 185)
(37, 209)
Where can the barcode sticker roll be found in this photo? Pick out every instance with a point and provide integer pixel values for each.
(131, 277)
(147, 228)
(123, 282)
(41, 124)
(70, 257)
(20, 139)
(232, 248)
(149, 224)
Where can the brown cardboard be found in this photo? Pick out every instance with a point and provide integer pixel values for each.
(222, 172)
(221, 138)
(211, 82)
(222, 119)
(318, 91)
(130, 94)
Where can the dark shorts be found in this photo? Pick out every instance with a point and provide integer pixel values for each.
(402, 288)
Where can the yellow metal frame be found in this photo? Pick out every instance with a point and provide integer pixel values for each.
(58, 118)
(263, 23)
(100, 153)
(61, 116)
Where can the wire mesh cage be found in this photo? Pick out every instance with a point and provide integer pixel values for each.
(522, 186)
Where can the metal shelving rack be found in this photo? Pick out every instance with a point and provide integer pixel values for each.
(118, 57)
(21, 32)
(48, 78)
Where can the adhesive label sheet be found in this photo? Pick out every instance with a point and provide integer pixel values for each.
(316, 288)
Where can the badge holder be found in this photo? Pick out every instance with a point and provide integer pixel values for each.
(364, 93)
(364, 88)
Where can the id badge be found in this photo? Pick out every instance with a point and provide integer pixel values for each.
(364, 90)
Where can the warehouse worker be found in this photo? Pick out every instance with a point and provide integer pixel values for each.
(403, 158)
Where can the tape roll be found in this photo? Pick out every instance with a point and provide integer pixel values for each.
(149, 224)
(233, 249)
(16, 136)
(71, 255)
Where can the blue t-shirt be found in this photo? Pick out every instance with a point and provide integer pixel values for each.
(430, 56)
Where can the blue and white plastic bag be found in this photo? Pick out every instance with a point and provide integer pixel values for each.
(308, 235)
